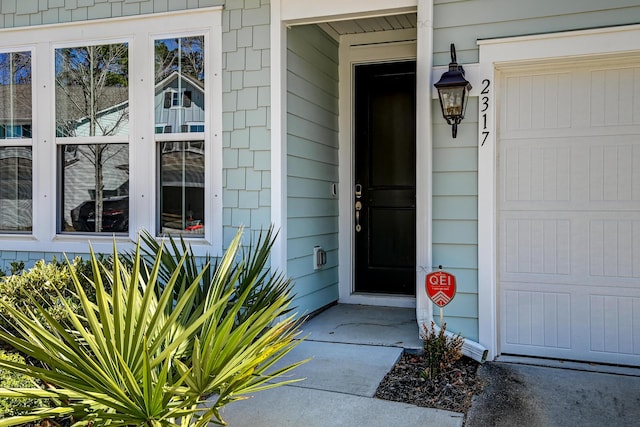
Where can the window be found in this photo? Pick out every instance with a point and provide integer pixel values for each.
(15, 131)
(111, 159)
(173, 98)
(16, 176)
(180, 72)
(92, 99)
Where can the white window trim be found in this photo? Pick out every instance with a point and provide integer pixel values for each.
(508, 52)
(139, 32)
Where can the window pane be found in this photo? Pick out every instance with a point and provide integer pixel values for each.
(182, 187)
(179, 80)
(92, 90)
(90, 173)
(16, 200)
(15, 95)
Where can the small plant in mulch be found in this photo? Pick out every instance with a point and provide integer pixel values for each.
(440, 377)
(441, 350)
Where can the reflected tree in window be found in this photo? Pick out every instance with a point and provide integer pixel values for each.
(15, 95)
(185, 54)
(182, 187)
(92, 101)
(179, 84)
(16, 172)
(180, 108)
(16, 200)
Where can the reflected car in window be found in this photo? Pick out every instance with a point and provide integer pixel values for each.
(115, 215)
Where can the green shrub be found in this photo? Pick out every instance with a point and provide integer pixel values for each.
(10, 406)
(146, 353)
(441, 351)
(48, 284)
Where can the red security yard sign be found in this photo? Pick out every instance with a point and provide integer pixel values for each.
(441, 287)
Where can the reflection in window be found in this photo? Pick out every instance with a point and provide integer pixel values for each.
(16, 199)
(179, 80)
(182, 187)
(86, 168)
(15, 95)
(92, 90)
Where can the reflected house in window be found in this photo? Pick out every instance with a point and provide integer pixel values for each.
(112, 118)
(16, 202)
(15, 111)
(16, 199)
(179, 104)
(174, 114)
(182, 178)
(179, 109)
(79, 174)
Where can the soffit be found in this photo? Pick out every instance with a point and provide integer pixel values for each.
(368, 25)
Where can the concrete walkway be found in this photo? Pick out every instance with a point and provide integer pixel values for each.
(352, 348)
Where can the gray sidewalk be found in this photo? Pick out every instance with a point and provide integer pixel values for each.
(352, 348)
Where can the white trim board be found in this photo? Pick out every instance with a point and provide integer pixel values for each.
(381, 47)
(278, 127)
(285, 13)
(495, 55)
(308, 12)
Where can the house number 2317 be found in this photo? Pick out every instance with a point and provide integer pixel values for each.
(484, 107)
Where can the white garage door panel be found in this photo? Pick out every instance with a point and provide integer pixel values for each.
(586, 248)
(614, 249)
(581, 172)
(537, 318)
(536, 246)
(569, 213)
(565, 321)
(615, 324)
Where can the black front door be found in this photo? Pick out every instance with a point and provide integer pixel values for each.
(385, 177)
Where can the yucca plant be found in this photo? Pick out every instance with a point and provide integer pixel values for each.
(264, 287)
(145, 353)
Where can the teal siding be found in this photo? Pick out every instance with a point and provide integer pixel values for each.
(463, 22)
(30, 258)
(21, 13)
(246, 111)
(312, 164)
(455, 187)
(455, 216)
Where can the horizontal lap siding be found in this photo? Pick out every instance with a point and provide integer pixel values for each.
(463, 22)
(312, 164)
(455, 190)
(455, 217)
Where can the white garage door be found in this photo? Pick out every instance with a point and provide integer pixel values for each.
(569, 212)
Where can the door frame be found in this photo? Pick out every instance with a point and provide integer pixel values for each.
(285, 13)
(366, 48)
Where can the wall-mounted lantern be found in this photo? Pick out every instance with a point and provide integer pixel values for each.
(453, 91)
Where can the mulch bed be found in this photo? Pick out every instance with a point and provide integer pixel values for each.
(452, 390)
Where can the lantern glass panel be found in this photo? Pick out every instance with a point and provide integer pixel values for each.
(452, 100)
